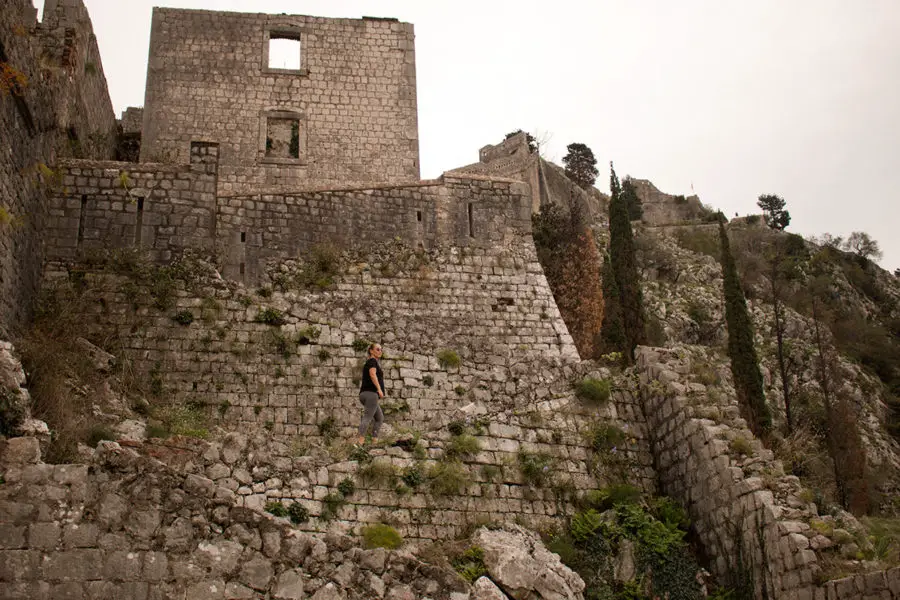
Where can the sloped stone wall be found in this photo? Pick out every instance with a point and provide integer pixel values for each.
(756, 523)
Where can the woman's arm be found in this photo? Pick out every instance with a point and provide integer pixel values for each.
(373, 375)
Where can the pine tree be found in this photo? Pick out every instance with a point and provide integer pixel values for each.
(624, 265)
(748, 381)
(773, 211)
(581, 166)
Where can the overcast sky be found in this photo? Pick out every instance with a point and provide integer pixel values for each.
(798, 98)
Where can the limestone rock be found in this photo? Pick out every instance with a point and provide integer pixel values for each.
(21, 450)
(518, 562)
(329, 591)
(101, 359)
(485, 589)
(289, 586)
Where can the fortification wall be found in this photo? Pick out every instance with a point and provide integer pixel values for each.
(758, 525)
(660, 208)
(54, 94)
(353, 99)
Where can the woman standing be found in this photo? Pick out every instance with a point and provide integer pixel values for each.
(371, 390)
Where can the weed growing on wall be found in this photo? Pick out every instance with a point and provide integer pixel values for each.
(276, 508)
(270, 316)
(595, 391)
(328, 429)
(463, 446)
(536, 468)
(446, 477)
(298, 513)
(380, 535)
(448, 359)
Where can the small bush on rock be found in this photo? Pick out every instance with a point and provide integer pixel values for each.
(298, 513)
(463, 445)
(183, 317)
(470, 564)
(380, 535)
(446, 478)
(276, 508)
(270, 316)
(537, 469)
(448, 359)
(595, 391)
(347, 486)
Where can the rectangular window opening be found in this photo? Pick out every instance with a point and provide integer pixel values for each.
(471, 221)
(419, 216)
(284, 52)
(243, 237)
(242, 268)
(282, 138)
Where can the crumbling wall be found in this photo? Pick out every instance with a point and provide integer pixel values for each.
(132, 527)
(660, 208)
(45, 100)
(354, 97)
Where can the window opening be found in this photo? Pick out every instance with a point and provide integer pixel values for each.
(419, 216)
(243, 236)
(284, 52)
(242, 268)
(282, 138)
(471, 222)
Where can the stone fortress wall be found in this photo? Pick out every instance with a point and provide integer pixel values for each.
(59, 106)
(353, 99)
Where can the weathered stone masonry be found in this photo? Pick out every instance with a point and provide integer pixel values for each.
(354, 98)
(63, 108)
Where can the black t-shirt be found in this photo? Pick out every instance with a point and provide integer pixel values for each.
(367, 384)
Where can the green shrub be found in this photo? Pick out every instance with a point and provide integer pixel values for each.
(585, 524)
(323, 354)
(412, 476)
(448, 359)
(606, 437)
(361, 345)
(427, 380)
(328, 429)
(270, 316)
(360, 455)
(183, 317)
(380, 473)
(276, 508)
(347, 487)
(741, 446)
(380, 535)
(491, 472)
(280, 343)
(536, 468)
(460, 390)
(99, 433)
(462, 446)
(470, 564)
(609, 497)
(298, 513)
(595, 391)
(321, 267)
(456, 427)
(447, 478)
(332, 503)
(12, 410)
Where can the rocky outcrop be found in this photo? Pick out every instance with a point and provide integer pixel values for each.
(520, 565)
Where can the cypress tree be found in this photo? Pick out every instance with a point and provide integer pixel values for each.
(748, 381)
(612, 332)
(624, 265)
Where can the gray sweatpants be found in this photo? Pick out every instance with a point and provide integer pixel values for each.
(371, 412)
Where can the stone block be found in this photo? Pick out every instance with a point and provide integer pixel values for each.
(80, 535)
(20, 451)
(44, 536)
(12, 536)
(73, 565)
(122, 565)
(209, 589)
(256, 573)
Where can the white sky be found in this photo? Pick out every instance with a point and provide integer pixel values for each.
(738, 98)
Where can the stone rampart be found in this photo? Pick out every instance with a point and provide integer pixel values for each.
(660, 208)
(58, 102)
(756, 523)
(351, 104)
